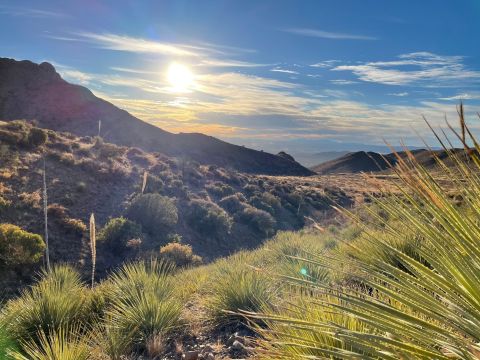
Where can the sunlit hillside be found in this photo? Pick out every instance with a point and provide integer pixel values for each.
(233, 180)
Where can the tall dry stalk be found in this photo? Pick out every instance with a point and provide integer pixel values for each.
(45, 214)
(93, 246)
(145, 177)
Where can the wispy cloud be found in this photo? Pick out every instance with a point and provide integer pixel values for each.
(400, 94)
(138, 45)
(325, 64)
(328, 34)
(343, 82)
(419, 68)
(205, 54)
(464, 96)
(286, 71)
(230, 63)
(30, 12)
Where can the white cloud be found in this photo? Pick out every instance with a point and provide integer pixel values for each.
(138, 45)
(280, 70)
(343, 82)
(428, 70)
(400, 94)
(325, 64)
(464, 96)
(328, 35)
(30, 12)
(230, 63)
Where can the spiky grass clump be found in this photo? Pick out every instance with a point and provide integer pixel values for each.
(56, 345)
(411, 310)
(58, 301)
(143, 304)
(7, 343)
(237, 287)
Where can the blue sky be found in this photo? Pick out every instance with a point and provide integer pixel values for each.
(274, 75)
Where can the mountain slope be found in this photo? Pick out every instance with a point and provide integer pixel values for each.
(362, 161)
(352, 163)
(37, 92)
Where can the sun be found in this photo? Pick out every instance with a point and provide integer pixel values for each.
(180, 77)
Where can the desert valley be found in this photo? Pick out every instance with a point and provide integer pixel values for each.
(234, 207)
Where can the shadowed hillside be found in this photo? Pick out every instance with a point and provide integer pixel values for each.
(362, 161)
(37, 92)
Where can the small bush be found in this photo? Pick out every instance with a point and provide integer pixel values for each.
(156, 213)
(233, 203)
(57, 345)
(19, 247)
(154, 184)
(259, 220)
(180, 255)
(74, 225)
(219, 189)
(36, 137)
(143, 304)
(208, 218)
(117, 233)
(238, 289)
(58, 301)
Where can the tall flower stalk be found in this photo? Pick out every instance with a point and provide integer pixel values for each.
(45, 215)
(93, 246)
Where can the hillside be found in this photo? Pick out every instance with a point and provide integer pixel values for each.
(37, 92)
(355, 162)
(362, 161)
(214, 210)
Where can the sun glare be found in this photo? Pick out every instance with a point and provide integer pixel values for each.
(180, 77)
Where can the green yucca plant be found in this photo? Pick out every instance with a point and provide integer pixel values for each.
(58, 301)
(238, 288)
(7, 343)
(57, 345)
(143, 305)
(426, 304)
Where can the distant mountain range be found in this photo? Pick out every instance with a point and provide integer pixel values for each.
(361, 161)
(37, 92)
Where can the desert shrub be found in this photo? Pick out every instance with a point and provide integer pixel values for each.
(154, 184)
(259, 220)
(32, 199)
(75, 226)
(57, 345)
(180, 255)
(36, 137)
(251, 189)
(7, 343)
(57, 211)
(116, 171)
(156, 213)
(58, 301)
(10, 137)
(62, 157)
(109, 151)
(208, 218)
(19, 247)
(117, 233)
(4, 203)
(235, 288)
(144, 305)
(233, 203)
(219, 189)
